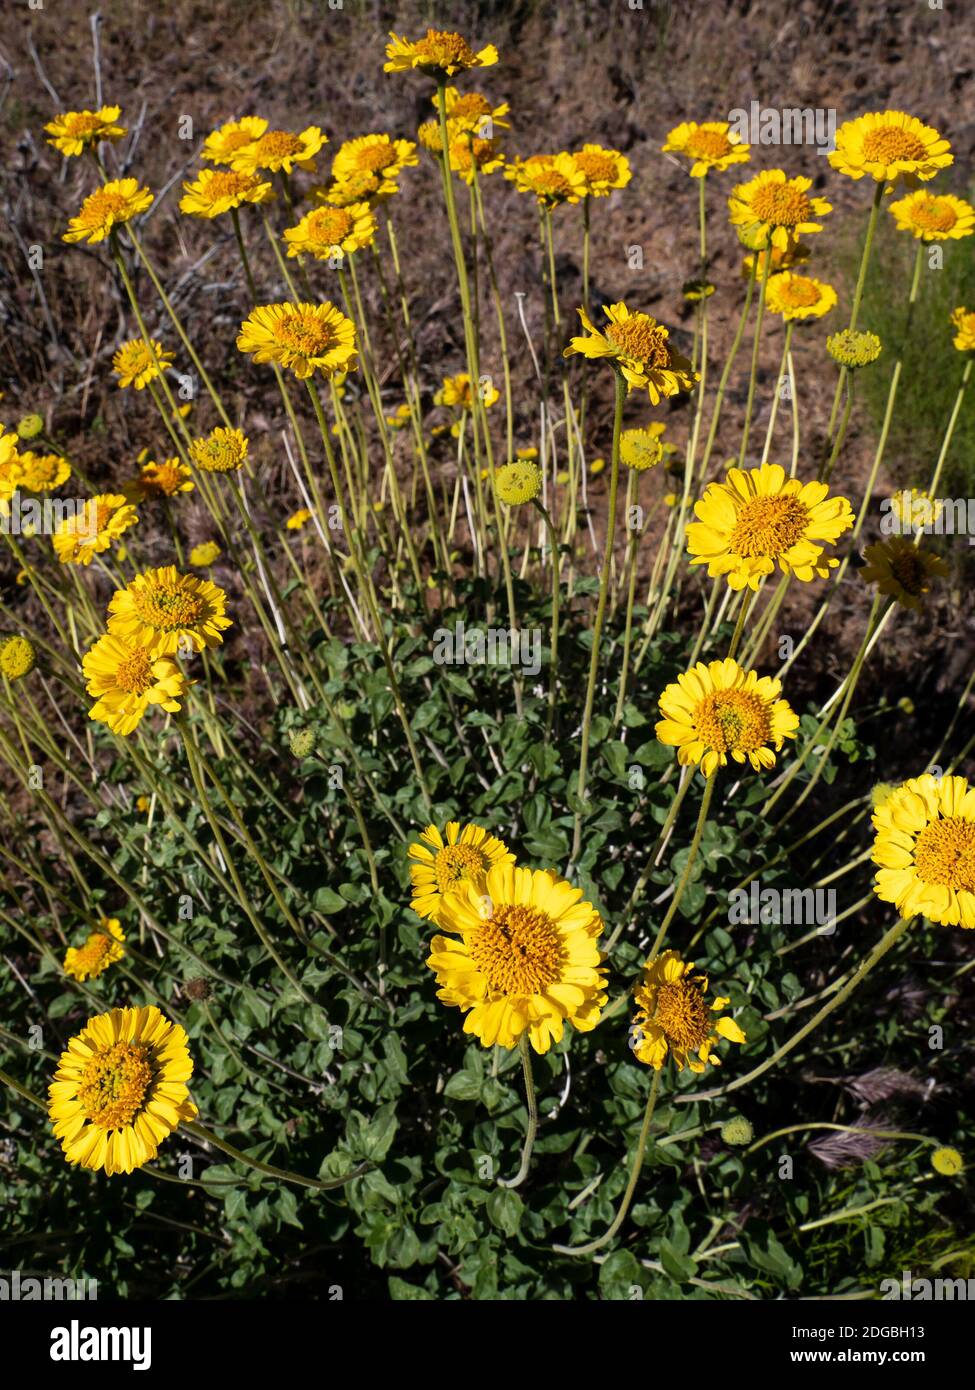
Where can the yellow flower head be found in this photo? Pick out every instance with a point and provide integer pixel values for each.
(115, 203)
(643, 448)
(377, 156)
(354, 188)
(216, 191)
(168, 612)
(758, 518)
(205, 554)
(925, 849)
(439, 54)
(43, 472)
(17, 657)
(280, 151)
(518, 482)
(552, 178)
(224, 145)
(639, 347)
(302, 337)
(901, 569)
(456, 392)
(470, 155)
(933, 217)
(472, 113)
(774, 209)
(853, 348)
(787, 257)
(330, 233)
(798, 296)
(886, 145)
(444, 862)
(602, 169)
(673, 1017)
(127, 678)
(102, 949)
(166, 479)
(915, 509)
(92, 529)
(527, 958)
(710, 145)
(78, 131)
(221, 451)
(120, 1089)
(137, 362)
(298, 519)
(963, 321)
(719, 710)
(948, 1162)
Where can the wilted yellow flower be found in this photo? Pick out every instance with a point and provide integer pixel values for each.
(758, 518)
(602, 169)
(329, 233)
(552, 178)
(303, 337)
(43, 472)
(798, 296)
(933, 217)
(963, 320)
(710, 145)
(137, 362)
(776, 209)
(439, 54)
(92, 529)
(518, 482)
(887, 145)
(216, 191)
(167, 612)
(224, 145)
(925, 849)
(205, 554)
(115, 203)
(719, 710)
(221, 451)
(78, 131)
(102, 949)
(638, 345)
(901, 569)
(280, 151)
(674, 1018)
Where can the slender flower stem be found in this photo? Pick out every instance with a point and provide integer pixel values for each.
(553, 681)
(688, 869)
(319, 1184)
(624, 1207)
(532, 1103)
(878, 197)
(756, 344)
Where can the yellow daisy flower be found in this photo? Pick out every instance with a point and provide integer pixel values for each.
(759, 517)
(354, 188)
(720, 709)
(205, 554)
(674, 1019)
(447, 861)
(439, 54)
(303, 337)
(280, 151)
(115, 203)
(964, 321)
(798, 296)
(92, 529)
(332, 233)
(602, 169)
(643, 448)
(776, 209)
(126, 679)
(925, 849)
(787, 257)
(216, 191)
(915, 509)
(552, 178)
(469, 155)
(102, 949)
(518, 482)
(933, 217)
(224, 145)
(456, 392)
(120, 1089)
(43, 472)
(298, 519)
(221, 451)
(78, 131)
(708, 145)
(378, 156)
(638, 345)
(899, 568)
(136, 362)
(527, 960)
(887, 145)
(166, 479)
(166, 612)
(472, 113)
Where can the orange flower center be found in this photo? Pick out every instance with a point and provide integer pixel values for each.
(103, 204)
(469, 106)
(305, 333)
(228, 183)
(733, 720)
(373, 158)
(781, 205)
(168, 609)
(330, 226)
(683, 1014)
(439, 49)
(907, 567)
(518, 951)
(134, 673)
(458, 864)
(278, 144)
(114, 1084)
(598, 168)
(934, 215)
(88, 957)
(709, 145)
(82, 123)
(163, 477)
(945, 854)
(891, 144)
(549, 183)
(641, 338)
(798, 294)
(768, 526)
